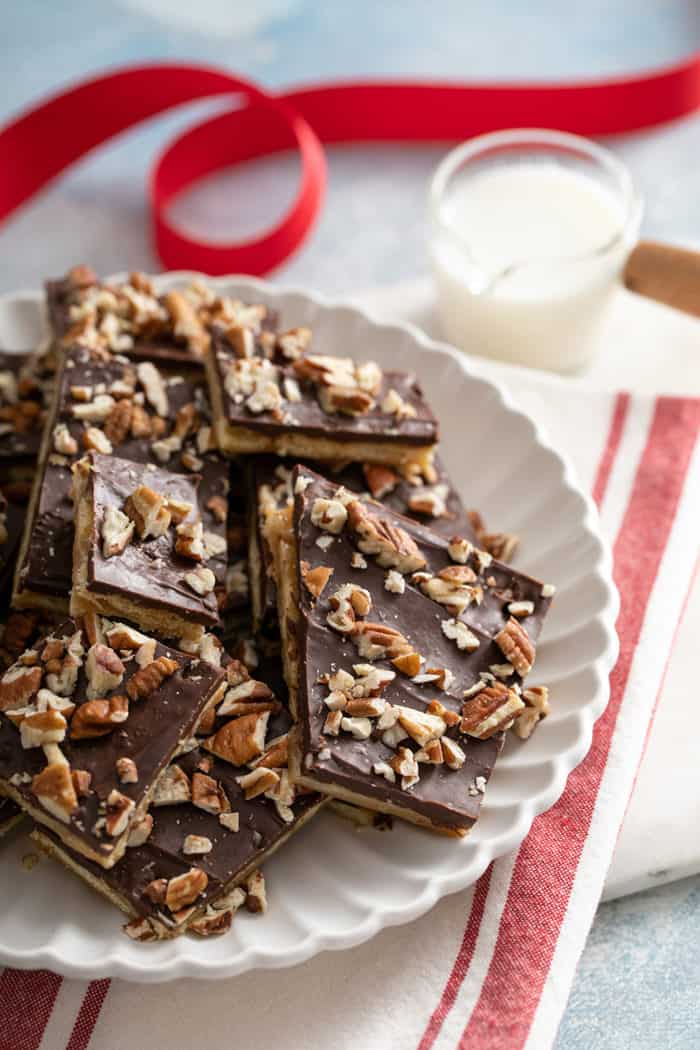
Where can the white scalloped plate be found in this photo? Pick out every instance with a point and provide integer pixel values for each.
(502, 464)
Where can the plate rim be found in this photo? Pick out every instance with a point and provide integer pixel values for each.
(113, 963)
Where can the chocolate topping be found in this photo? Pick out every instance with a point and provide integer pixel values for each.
(48, 560)
(445, 796)
(305, 414)
(148, 570)
(157, 722)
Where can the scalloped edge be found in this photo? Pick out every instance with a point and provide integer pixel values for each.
(115, 964)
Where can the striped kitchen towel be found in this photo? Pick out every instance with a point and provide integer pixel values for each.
(489, 968)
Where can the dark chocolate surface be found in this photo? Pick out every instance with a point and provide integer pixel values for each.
(47, 566)
(25, 387)
(161, 856)
(149, 736)
(441, 794)
(14, 518)
(306, 416)
(149, 571)
(269, 478)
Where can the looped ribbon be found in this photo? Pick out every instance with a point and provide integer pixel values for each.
(41, 143)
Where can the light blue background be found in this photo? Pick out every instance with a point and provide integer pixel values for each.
(637, 984)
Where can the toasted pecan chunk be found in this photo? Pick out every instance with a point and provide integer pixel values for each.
(150, 678)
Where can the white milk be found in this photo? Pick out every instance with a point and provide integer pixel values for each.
(525, 258)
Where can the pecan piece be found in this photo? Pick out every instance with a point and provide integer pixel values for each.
(256, 896)
(98, 717)
(117, 531)
(207, 794)
(378, 641)
(184, 889)
(104, 670)
(517, 647)
(315, 579)
(18, 686)
(240, 740)
(380, 480)
(150, 678)
(493, 708)
(173, 787)
(147, 510)
(392, 545)
(118, 422)
(120, 809)
(536, 699)
(54, 790)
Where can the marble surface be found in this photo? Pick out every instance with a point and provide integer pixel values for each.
(636, 975)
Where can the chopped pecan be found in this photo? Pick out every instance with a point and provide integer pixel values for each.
(98, 717)
(190, 540)
(259, 781)
(42, 727)
(127, 770)
(517, 647)
(212, 925)
(240, 740)
(391, 545)
(431, 501)
(118, 422)
(63, 441)
(493, 708)
(458, 632)
(256, 896)
(54, 790)
(140, 422)
(140, 831)
(173, 787)
(419, 725)
(154, 388)
(104, 670)
(150, 678)
(404, 764)
(379, 641)
(409, 664)
(315, 579)
(208, 794)
(186, 324)
(196, 845)
(453, 754)
(536, 698)
(329, 514)
(294, 343)
(94, 438)
(346, 401)
(380, 480)
(123, 636)
(118, 813)
(147, 510)
(18, 686)
(201, 580)
(155, 891)
(179, 509)
(459, 549)
(184, 889)
(117, 531)
(453, 587)
(276, 755)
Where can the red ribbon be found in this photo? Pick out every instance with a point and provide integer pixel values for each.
(47, 139)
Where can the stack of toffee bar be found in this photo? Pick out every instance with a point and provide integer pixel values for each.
(165, 725)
